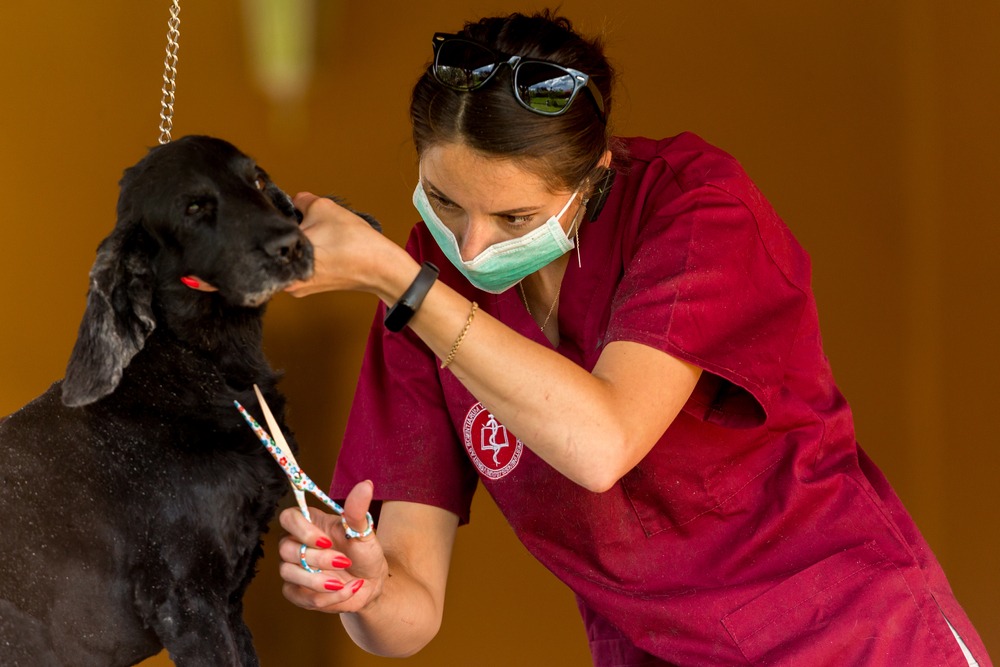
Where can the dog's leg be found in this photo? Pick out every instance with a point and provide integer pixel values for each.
(244, 640)
(205, 642)
(197, 633)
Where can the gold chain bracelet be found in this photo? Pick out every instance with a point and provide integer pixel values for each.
(461, 337)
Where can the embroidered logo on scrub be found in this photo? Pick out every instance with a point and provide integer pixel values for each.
(492, 448)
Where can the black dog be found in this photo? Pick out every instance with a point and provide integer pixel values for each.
(133, 496)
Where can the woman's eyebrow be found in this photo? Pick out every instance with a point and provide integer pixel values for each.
(515, 212)
(433, 189)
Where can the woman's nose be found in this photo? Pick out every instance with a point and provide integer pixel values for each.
(478, 237)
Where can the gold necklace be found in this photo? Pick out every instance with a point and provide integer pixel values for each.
(552, 308)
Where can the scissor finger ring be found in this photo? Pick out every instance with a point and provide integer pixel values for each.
(302, 560)
(352, 534)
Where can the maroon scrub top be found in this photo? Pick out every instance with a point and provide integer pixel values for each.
(756, 531)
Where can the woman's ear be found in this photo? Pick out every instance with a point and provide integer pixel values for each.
(599, 195)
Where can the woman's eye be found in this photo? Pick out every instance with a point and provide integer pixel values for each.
(518, 220)
(443, 204)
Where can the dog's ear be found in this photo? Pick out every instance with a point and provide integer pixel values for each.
(118, 317)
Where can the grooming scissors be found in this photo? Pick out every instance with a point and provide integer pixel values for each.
(299, 480)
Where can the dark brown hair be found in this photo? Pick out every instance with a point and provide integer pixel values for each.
(563, 150)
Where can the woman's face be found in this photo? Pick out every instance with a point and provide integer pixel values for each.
(484, 200)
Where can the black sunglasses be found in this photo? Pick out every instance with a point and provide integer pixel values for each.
(539, 86)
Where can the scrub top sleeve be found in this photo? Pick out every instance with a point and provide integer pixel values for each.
(713, 277)
(399, 433)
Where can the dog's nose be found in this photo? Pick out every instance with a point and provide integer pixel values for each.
(285, 248)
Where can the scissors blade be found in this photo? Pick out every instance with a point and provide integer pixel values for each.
(272, 424)
(286, 451)
(298, 476)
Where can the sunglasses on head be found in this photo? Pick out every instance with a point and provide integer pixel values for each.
(539, 86)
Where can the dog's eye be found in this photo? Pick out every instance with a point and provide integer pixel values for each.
(193, 209)
(259, 183)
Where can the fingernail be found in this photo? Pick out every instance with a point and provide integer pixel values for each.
(333, 585)
(323, 543)
(190, 282)
(356, 586)
(342, 562)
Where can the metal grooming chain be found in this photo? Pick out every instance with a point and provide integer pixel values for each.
(170, 73)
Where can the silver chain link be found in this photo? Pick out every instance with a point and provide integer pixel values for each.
(170, 73)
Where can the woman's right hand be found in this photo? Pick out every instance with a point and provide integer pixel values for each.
(416, 541)
(352, 571)
(348, 254)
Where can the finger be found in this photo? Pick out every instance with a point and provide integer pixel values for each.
(302, 288)
(196, 283)
(326, 560)
(326, 592)
(311, 591)
(288, 549)
(320, 579)
(322, 207)
(310, 560)
(297, 288)
(356, 506)
(301, 597)
(304, 200)
(310, 534)
(334, 602)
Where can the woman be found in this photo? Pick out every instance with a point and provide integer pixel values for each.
(618, 340)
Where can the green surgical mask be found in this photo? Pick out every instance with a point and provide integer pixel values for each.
(502, 265)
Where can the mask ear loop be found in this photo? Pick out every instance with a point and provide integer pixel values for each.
(601, 194)
(576, 231)
(579, 260)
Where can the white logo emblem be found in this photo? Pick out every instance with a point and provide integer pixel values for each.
(492, 448)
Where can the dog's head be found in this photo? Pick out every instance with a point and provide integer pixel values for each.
(215, 214)
(195, 206)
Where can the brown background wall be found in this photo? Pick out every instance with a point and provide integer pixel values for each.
(870, 126)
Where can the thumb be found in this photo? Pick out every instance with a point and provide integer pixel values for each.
(303, 200)
(356, 505)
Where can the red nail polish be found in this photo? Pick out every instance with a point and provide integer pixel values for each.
(332, 585)
(323, 543)
(341, 562)
(190, 282)
(356, 586)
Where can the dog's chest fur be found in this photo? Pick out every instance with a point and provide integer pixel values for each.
(179, 491)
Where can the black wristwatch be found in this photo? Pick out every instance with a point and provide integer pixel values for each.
(402, 311)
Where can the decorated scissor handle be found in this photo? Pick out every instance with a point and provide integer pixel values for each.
(299, 480)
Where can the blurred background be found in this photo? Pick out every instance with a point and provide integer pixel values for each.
(871, 127)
